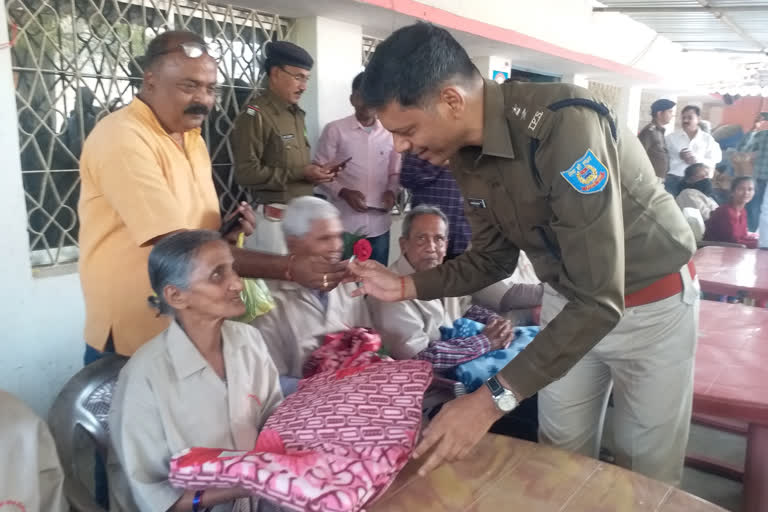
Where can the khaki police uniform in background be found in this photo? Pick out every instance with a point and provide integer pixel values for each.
(655, 145)
(32, 478)
(557, 177)
(271, 150)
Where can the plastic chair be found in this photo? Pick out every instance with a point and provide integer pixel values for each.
(83, 405)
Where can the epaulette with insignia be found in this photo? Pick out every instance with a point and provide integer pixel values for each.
(533, 120)
(252, 110)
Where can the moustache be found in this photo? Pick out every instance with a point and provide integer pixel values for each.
(197, 109)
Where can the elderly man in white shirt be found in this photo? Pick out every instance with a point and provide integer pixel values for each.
(303, 316)
(411, 328)
(689, 146)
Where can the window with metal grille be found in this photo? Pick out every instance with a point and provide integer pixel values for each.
(369, 46)
(75, 61)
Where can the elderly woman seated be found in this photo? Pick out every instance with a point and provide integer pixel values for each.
(303, 316)
(204, 381)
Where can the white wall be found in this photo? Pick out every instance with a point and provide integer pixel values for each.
(572, 25)
(41, 317)
(337, 49)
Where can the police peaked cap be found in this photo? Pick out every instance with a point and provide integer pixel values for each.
(661, 105)
(283, 53)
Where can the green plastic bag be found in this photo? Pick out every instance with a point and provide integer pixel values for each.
(255, 295)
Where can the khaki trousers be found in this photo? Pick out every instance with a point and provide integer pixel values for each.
(648, 360)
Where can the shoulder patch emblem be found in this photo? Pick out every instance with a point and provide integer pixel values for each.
(587, 175)
(252, 110)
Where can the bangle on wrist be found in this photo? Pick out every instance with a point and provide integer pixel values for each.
(197, 500)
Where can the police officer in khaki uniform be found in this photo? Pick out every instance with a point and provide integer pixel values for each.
(271, 150)
(652, 136)
(547, 169)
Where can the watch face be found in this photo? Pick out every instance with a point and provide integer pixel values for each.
(507, 402)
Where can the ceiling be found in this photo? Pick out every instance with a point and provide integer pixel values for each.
(728, 26)
(737, 29)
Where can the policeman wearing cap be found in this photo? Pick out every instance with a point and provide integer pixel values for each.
(652, 136)
(547, 169)
(269, 140)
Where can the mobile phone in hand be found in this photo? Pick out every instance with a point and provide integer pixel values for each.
(230, 224)
(339, 166)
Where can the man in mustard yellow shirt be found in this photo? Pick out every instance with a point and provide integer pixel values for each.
(146, 173)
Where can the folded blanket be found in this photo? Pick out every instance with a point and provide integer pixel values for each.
(333, 446)
(346, 349)
(474, 373)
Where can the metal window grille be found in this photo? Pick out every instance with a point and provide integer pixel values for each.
(369, 46)
(75, 61)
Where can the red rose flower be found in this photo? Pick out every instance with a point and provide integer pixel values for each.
(362, 249)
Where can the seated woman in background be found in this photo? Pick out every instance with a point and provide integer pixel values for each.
(729, 222)
(205, 381)
(696, 190)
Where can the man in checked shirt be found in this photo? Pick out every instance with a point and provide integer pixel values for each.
(435, 185)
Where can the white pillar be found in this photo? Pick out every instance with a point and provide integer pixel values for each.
(575, 79)
(628, 108)
(337, 48)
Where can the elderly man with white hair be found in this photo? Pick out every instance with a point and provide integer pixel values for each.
(411, 328)
(303, 316)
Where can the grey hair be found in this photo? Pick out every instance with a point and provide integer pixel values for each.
(418, 211)
(172, 260)
(300, 212)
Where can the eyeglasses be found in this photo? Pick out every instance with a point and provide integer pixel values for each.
(299, 77)
(193, 50)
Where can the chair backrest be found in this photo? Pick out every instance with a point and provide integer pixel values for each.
(83, 405)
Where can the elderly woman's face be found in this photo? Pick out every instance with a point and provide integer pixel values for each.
(214, 286)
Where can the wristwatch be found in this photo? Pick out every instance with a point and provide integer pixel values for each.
(503, 398)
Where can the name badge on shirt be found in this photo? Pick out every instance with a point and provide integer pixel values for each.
(290, 136)
(476, 203)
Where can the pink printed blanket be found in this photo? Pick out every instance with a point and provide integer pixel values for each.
(345, 349)
(333, 446)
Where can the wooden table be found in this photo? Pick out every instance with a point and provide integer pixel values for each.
(731, 381)
(731, 271)
(507, 474)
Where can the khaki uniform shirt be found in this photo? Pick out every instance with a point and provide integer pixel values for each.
(31, 478)
(298, 323)
(168, 399)
(407, 327)
(562, 182)
(652, 139)
(271, 150)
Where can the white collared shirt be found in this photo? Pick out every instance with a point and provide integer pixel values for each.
(373, 170)
(704, 147)
(168, 399)
(32, 476)
(299, 322)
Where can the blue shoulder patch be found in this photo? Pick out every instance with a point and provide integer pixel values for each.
(587, 174)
